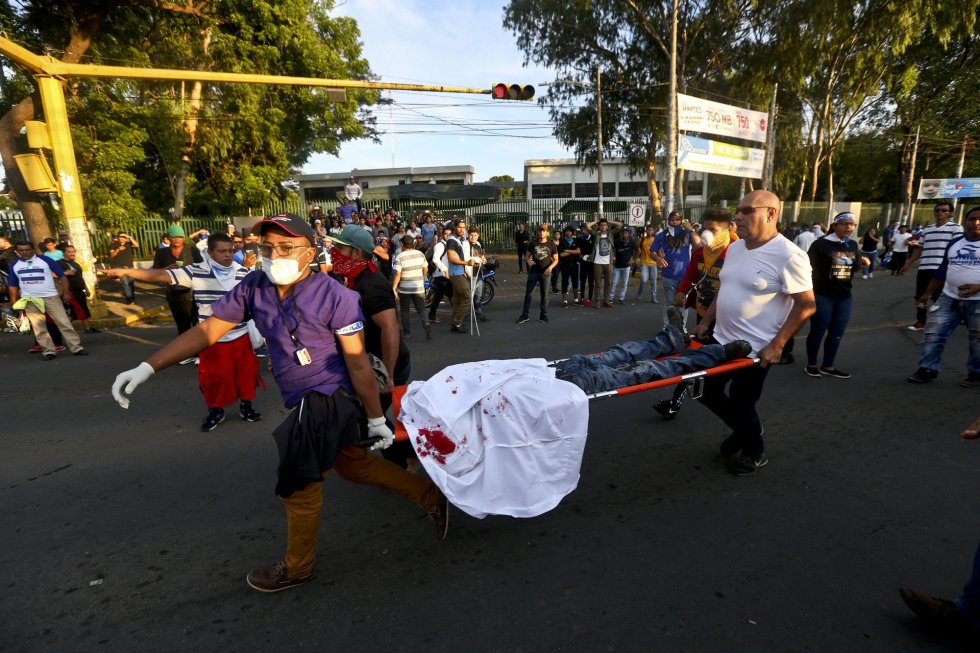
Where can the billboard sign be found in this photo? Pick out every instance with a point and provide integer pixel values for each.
(695, 153)
(949, 188)
(707, 117)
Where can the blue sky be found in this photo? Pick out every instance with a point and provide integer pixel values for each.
(461, 43)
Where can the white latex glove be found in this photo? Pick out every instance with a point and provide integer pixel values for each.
(131, 379)
(378, 428)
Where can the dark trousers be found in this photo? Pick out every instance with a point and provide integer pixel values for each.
(586, 281)
(737, 408)
(184, 310)
(535, 277)
(922, 279)
(440, 288)
(569, 276)
(407, 301)
(521, 260)
(831, 318)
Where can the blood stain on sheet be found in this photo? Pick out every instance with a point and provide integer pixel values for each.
(437, 444)
(450, 379)
(455, 390)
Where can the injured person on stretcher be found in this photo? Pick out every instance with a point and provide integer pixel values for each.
(633, 363)
(506, 437)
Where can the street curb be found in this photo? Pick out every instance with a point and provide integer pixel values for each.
(112, 322)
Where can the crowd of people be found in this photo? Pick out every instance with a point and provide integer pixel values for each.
(750, 285)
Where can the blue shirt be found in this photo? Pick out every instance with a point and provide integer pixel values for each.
(428, 232)
(346, 211)
(316, 310)
(677, 258)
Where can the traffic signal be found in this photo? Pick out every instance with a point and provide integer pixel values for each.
(502, 91)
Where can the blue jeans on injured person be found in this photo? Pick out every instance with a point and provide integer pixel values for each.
(969, 603)
(620, 279)
(632, 363)
(945, 315)
(831, 318)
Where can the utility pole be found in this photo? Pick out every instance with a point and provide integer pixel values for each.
(959, 175)
(908, 185)
(598, 104)
(771, 141)
(672, 115)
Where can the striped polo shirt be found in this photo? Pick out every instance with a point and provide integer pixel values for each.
(207, 290)
(934, 241)
(413, 266)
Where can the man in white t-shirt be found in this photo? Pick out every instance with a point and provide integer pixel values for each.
(353, 192)
(602, 257)
(765, 296)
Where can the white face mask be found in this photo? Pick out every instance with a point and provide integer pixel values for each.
(707, 237)
(282, 271)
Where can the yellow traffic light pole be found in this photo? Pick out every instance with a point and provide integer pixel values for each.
(51, 75)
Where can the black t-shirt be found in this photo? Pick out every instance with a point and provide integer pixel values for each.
(563, 246)
(124, 259)
(522, 237)
(542, 254)
(585, 243)
(377, 296)
(624, 252)
(164, 257)
(75, 281)
(834, 264)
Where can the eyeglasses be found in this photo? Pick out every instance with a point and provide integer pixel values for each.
(749, 210)
(940, 210)
(282, 249)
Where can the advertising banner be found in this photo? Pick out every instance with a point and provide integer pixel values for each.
(949, 188)
(695, 153)
(705, 116)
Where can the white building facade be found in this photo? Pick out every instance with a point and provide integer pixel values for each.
(564, 179)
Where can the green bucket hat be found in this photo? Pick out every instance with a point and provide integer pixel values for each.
(176, 231)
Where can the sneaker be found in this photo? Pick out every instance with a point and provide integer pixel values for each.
(440, 515)
(812, 370)
(80, 352)
(935, 612)
(274, 579)
(47, 357)
(971, 381)
(729, 446)
(737, 349)
(747, 465)
(215, 416)
(621, 302)
(653, 300)
(864, 276)
(457, 328)
(406, 335)
(923, 375)
(36, 349)
(544, 318)
(918, 326)
(434, 320)
(522, 319)
(577, 302)
(564, 303)
(188, 361)
(428, 330)
(262, 352)
(834, 372)
(588, 302)
(249, 414)
(786, 359)
(92, 330)
(59, 347)
(871, 276)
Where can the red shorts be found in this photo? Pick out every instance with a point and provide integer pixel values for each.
(228, 371)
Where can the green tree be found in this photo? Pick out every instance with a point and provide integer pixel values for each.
(508, 193)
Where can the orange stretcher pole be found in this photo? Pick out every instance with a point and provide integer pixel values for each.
(731, 366)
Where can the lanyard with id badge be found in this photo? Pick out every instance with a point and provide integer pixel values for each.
(300, 353)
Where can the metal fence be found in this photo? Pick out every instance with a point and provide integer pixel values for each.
(150, 232)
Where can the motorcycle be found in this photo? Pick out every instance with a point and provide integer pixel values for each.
(488, 274)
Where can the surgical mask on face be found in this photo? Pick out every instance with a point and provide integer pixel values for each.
(707, 237)
(282, 271)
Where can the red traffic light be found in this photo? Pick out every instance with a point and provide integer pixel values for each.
(501, 91)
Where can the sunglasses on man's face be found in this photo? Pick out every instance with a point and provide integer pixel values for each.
(940, 210)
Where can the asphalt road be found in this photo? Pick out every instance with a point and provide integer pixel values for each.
(131, 530)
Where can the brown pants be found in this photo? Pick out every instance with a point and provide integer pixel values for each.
(353, 464)
(461, 298)
(603, 277)
(54, 308)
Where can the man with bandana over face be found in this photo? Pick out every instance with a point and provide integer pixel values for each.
(228, 369)
(314, 327)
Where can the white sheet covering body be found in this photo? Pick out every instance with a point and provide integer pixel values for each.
(499, 437)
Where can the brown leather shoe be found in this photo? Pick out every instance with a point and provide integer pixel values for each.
(274, 579)
(935, 612)
(440, 515)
